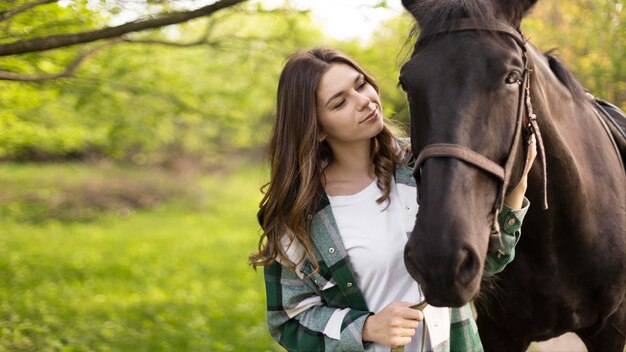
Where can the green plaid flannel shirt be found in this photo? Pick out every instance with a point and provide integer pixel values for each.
(310, 295)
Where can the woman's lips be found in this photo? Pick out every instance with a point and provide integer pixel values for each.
(371, 116)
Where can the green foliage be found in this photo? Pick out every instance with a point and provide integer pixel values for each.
(591, 40)
(41, 21)
(154, 104)
(168, 279)
(48, 19)
(157, 104)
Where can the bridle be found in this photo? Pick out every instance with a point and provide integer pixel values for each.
(526, 120)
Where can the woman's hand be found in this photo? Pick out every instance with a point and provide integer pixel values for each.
(394, 325)
(515, 198)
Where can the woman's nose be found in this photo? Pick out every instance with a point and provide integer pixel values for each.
(363, 101)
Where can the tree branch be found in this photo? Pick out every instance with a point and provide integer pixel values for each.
(202, 41)
(5, 15)
(64, 40)
(69, 71)
(205, 41)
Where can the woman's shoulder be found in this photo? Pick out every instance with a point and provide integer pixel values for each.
(405, 153)
(403, 141)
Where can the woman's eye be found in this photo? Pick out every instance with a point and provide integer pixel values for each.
(361, 85)
(339, 104)
(513, 77)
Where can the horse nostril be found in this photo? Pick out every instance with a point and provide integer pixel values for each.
(468, 266)
(409, 264)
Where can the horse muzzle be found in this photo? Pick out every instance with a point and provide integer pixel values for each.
(448, 278)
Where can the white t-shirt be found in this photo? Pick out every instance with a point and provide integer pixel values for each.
(374, 237)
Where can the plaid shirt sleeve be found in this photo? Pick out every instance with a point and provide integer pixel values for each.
(463, 332)
(510, 221)
(297, 315)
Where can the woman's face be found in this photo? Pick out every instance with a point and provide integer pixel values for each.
(348, 107)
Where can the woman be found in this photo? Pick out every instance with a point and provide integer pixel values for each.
(335, 217)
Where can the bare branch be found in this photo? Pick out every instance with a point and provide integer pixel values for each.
(69, 71)
(64, 40)
(217, 43)
(280, 11)
(5, 15)
(199, 42)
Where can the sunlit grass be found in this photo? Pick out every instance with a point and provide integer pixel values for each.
(167, 279)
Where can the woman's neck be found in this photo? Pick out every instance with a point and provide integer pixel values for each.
(350, 170)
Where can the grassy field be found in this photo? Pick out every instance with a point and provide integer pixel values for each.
(162, 278)
(108, 258)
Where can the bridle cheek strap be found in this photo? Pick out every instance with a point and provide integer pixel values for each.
(463, 153)
(447, 150)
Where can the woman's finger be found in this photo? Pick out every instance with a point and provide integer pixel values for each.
(411, 324)
(403, 332)
(413, 314)
(400, 341)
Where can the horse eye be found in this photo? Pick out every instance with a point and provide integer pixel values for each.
(401, 84)
(513, 77)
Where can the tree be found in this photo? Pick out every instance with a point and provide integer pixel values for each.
(159, 99)
(591, 39)
(111, 34)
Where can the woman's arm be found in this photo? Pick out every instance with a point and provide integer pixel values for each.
(510, 219)
(514, 198)
(299, 319)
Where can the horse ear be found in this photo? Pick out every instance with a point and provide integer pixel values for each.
(408, 5)
(516, 10)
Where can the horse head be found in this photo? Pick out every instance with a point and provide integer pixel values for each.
(465, 85)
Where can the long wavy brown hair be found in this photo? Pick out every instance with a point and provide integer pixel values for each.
(297, 157)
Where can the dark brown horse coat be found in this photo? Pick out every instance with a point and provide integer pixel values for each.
(466, 87)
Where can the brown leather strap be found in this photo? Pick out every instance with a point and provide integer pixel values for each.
(460, 152)
(532, 120)
(468, 24)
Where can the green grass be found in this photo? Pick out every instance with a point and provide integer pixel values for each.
(164, 279)
(167, 277)
(83, 192)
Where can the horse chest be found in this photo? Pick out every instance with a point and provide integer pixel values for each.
(561, 293)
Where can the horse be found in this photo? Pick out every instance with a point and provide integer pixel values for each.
(477, 89)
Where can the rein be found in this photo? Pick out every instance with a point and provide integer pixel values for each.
(527, 120)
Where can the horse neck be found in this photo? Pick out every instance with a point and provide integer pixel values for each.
(576, 144)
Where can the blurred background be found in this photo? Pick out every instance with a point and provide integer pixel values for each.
(132, 138)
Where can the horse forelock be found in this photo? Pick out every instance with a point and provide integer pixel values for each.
(439, 15)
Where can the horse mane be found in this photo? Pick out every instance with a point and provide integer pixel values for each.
(566, 77)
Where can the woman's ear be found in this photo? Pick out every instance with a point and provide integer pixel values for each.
(322, 137)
